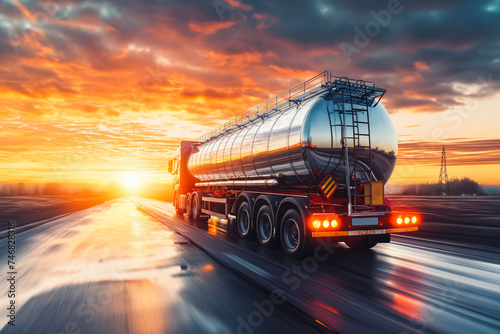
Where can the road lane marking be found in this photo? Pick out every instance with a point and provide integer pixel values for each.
(249, 266)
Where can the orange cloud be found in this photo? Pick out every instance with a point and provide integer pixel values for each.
(24, 10)
(265, 21)
(233, 60)
(421, 65)
(238, 4)
(207, 28)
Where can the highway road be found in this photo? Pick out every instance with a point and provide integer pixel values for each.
(133, 266)
(114, 269)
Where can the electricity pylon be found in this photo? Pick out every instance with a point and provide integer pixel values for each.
(443, 186)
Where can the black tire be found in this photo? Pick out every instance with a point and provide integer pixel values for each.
(360, 243)
(264, 226)
(196, 206)
(244, 221)
(178, 210)
(292, 233)
(189, 207)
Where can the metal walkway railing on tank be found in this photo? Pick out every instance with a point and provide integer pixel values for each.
(321, 83)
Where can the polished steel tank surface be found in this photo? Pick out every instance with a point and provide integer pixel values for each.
(298, 145)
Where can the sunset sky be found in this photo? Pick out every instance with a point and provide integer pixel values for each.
(92, 91)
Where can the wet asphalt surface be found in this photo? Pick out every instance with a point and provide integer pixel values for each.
(114, 269)
(122, 268)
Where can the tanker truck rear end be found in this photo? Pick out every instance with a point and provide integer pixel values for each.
(310, 163)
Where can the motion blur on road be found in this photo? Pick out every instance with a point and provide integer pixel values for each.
(133, 266)
(114, 269)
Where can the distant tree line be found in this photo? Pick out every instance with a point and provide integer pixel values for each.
(51, 188)
(455, 187)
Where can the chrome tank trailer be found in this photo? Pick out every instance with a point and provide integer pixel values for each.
(298, 146)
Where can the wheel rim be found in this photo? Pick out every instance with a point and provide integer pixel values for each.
(265, 227)
(292, 234)
(244, 221)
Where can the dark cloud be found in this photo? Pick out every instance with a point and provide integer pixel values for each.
(456, 41)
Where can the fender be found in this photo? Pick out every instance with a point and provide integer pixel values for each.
(249, 198)
(299, 202)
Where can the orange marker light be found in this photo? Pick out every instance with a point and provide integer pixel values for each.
(326, 223)
(334, 223)
(414, 220)
(400, 220)
(316, 224)
(407, 220)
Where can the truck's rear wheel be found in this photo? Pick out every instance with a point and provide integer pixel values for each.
(244, 222)
(196, 206)
(292, 233)
(360, 243)
(264, 226)
(189, 206)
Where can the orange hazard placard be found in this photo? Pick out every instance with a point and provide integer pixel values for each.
(328, 185)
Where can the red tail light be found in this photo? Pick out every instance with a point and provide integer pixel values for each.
(324, 222)
(406, 219)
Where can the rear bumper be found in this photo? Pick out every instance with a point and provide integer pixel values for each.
(363, 232)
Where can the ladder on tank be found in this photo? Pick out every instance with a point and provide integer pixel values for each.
(355, 134)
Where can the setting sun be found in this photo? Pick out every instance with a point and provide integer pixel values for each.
(132, 180)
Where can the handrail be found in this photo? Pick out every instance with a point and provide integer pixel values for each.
(324, 79)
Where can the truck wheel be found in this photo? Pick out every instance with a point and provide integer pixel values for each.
(292, 233)
(196, 206)
(264, 226)
(244, 222)
(189, 207)
(178, 210)
(360, 243)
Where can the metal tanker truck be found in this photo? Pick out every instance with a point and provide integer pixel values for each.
(309, 163)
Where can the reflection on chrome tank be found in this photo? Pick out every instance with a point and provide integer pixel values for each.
(298, 146)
